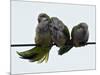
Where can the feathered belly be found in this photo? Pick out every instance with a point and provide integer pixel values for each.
(43, 39)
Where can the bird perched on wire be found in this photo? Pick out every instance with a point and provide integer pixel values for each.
(80, 35)
(60, 35)
(43, 39)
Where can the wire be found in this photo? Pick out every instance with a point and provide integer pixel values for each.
(25, 45)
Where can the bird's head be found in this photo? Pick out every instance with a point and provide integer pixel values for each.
(43, 18)
(56, 23)
(84, 26)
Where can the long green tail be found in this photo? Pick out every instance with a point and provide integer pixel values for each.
(38, 54)
(28, 54)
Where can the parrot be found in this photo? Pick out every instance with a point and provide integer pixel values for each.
(80, 35)
(60, 35)
(43, 39)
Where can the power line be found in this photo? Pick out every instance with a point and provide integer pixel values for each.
(25, 45)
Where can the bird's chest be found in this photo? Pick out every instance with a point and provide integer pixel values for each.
(59, 38)
(43, 38)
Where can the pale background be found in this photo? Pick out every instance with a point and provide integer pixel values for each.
(5, 42)
(23, 24)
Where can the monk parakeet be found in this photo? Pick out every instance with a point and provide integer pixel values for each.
(43, 39)
(80, 35)
(60, 35)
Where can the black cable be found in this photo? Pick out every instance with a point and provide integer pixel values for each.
(24, 45)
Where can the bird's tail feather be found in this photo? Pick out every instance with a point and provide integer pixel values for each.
(28, 54)
(64, 49)
(38, 54)
(42, 55)
(45, 57)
